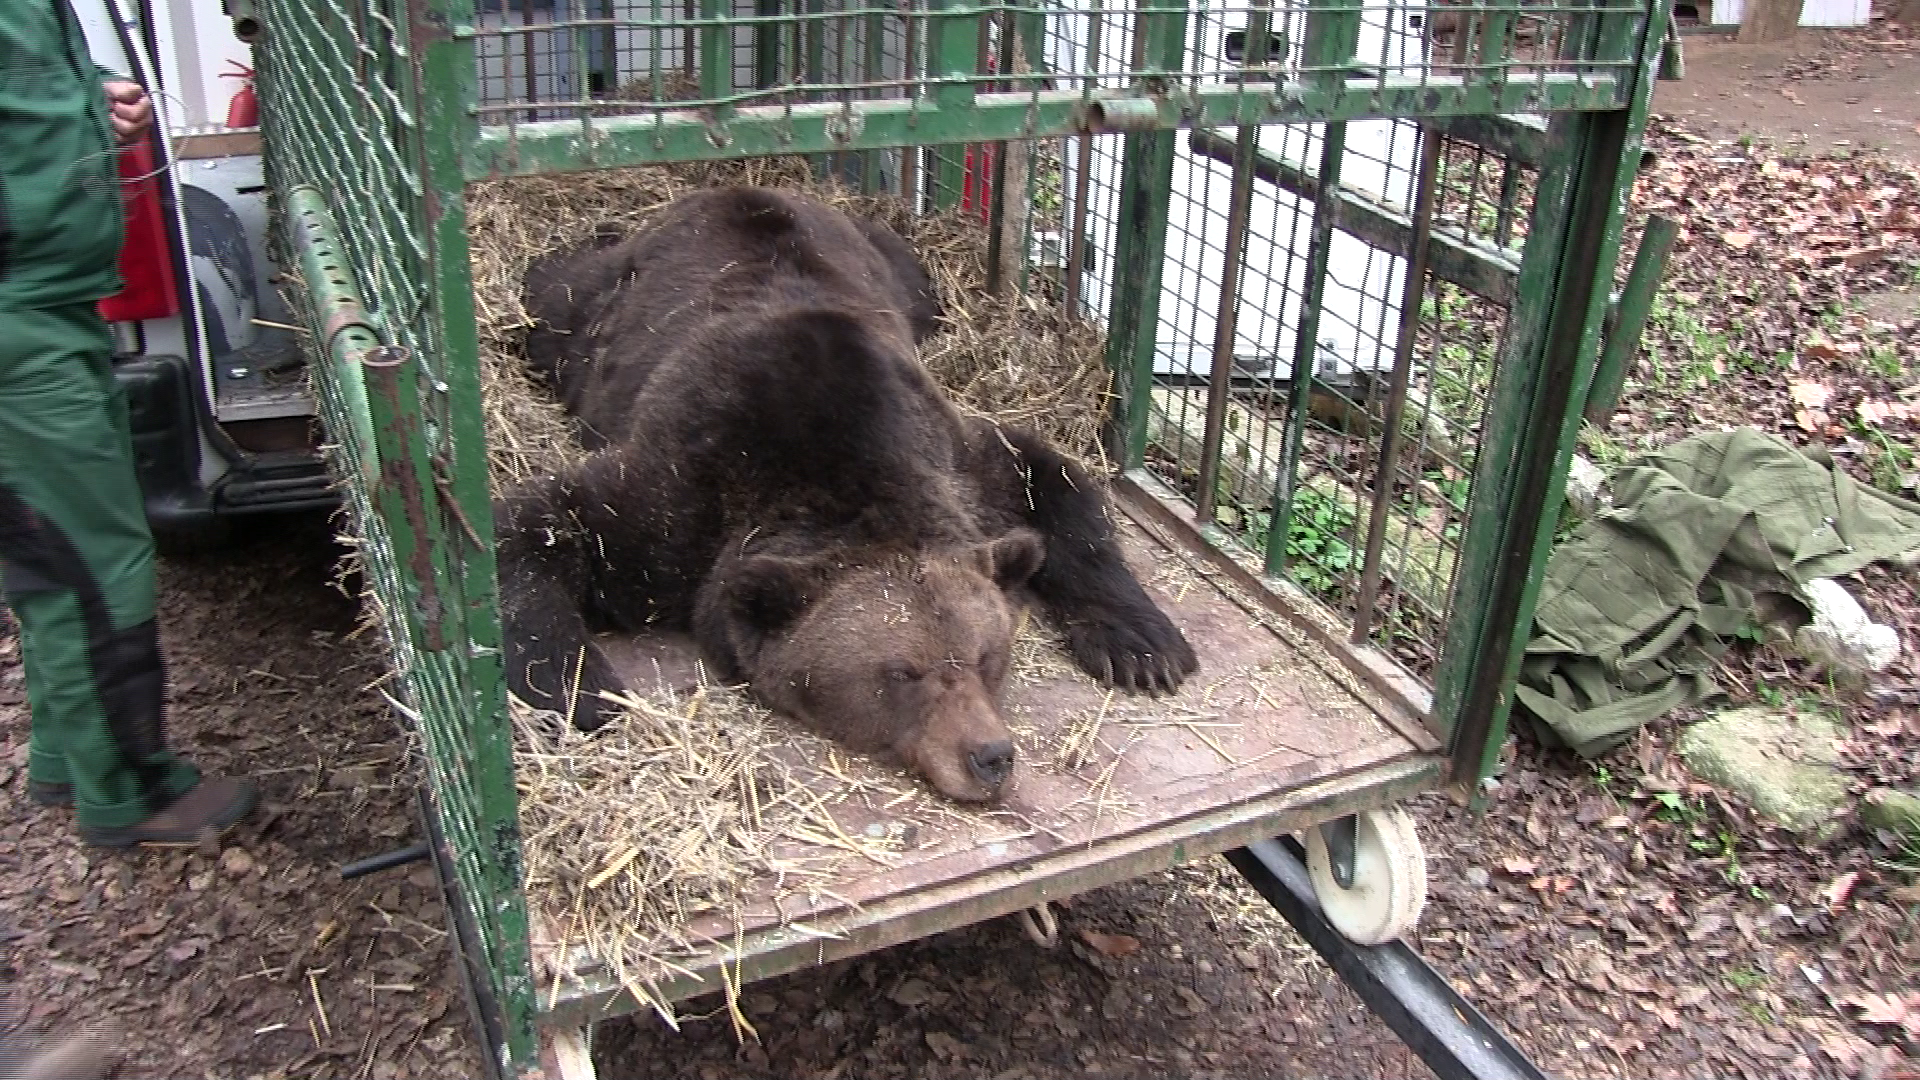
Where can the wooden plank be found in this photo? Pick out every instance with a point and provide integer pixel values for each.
(219, 145)
(895, 920)
(1516, 138)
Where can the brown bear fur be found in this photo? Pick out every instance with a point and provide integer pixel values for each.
(775, 470)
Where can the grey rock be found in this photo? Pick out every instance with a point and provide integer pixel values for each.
(1783, 763)
(1586, 486)
(1841, 637)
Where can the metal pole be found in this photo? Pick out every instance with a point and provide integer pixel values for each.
(1326, 210)
(1456, 1040)
(1239, 207)
(1636, 304)
(1411, 296)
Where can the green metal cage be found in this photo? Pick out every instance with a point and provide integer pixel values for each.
(1353, 261)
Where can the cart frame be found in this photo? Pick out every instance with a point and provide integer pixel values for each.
(374, 123)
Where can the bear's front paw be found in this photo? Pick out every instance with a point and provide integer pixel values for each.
(1140, 651)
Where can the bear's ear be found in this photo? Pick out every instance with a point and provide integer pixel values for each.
(767, 592)
(1012, 559)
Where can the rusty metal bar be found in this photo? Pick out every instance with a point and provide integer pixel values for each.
(1414, 290)
(1082, 182)
(1226, 320)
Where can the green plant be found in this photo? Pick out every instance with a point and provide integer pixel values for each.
(1604, 449)
(1721, 846)
(1768, 694)
(1319, 547)
(1319, 552)
(1905, 861)
(1885, 361)
(1674, 808)
(1603, 776)
(1746, 978)
(1888, 461)
(1705, 354)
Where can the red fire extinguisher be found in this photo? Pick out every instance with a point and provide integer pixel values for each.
(244, 110)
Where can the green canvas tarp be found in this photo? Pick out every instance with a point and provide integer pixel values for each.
(1641, 600)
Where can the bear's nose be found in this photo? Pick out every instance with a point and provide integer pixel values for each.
(991, 762)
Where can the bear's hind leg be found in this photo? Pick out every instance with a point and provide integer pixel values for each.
(1114, 629)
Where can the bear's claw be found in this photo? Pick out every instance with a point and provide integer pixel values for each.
(1143, 653)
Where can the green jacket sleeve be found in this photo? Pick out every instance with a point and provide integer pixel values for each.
(61, 220)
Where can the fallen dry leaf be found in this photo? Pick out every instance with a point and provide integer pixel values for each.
(1845, 1049)
(946, 1045)
(912, 992)
(1883, 1008)
(1879, 412)
(1855, 258)
(1736, 239)
(1114, 945)
(1839, 889)
(1808, 393)
(1810, 420)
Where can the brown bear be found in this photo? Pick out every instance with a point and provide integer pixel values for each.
(774, 469)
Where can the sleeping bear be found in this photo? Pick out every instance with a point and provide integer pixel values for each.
(773, 469)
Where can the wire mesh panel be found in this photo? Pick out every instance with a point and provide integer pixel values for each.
(1328, 342)
(1301, 495)
(359, 220)
(589, 83)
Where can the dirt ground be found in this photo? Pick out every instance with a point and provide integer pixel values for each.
(254, 959)
(1826, 92)
(1610, 934)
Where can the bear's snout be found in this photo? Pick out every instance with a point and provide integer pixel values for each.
(991, 763)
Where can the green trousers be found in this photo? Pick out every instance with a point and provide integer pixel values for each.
(77, 567)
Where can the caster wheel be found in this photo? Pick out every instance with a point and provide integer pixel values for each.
(1389, 887)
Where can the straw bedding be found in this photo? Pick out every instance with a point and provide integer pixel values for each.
(1011, 358)
(698, 799)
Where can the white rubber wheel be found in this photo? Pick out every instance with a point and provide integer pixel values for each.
(1389, 878)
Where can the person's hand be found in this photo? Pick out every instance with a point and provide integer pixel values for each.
(132, 110)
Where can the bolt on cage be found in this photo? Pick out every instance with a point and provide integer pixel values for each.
(1353, 261)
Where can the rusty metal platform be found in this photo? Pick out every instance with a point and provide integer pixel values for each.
(1281, 728)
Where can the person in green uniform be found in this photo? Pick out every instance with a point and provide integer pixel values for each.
(76, 556)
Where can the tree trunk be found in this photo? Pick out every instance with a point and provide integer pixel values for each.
(1769, 20)
(1016, 214)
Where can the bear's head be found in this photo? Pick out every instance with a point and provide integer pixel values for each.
(909, 654)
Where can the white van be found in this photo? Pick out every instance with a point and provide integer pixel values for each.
(205, 348)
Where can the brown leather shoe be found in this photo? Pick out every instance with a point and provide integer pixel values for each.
(209, 808)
